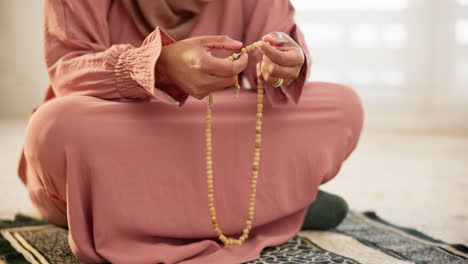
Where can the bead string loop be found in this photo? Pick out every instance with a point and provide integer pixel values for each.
(256, 158)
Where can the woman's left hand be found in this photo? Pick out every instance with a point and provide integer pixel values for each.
(282, 59)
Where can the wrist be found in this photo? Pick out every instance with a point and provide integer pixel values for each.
(160, 73)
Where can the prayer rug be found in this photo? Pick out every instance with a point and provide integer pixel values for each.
(362, 238)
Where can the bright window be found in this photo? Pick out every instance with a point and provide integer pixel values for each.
(393, 52)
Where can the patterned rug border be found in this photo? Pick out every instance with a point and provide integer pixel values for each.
(459, 250)
(15, 249)
(387, 251)
(373, 216)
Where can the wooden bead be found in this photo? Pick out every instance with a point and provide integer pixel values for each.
(256, 160)
(210, 100)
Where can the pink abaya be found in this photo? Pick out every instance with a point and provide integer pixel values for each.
(122, 163)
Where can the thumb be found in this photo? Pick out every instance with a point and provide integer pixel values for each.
(219, 42)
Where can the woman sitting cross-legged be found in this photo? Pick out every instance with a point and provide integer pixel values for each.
(117, 152)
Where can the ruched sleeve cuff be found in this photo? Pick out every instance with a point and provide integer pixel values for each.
(135, 71)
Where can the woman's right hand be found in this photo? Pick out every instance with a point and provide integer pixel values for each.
(190, 65)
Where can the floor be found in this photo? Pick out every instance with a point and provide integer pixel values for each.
(412, 179)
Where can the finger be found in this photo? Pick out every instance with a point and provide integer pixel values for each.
(289, 58)
(205, 84)
(218, 42)
(278, 39)
(270, 79)
(213, 83)
(279, 71)
(258, 68)
(222, 67)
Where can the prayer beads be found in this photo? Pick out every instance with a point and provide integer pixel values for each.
(256, 161)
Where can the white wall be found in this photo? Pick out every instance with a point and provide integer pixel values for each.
(408, 59)
(23, 77)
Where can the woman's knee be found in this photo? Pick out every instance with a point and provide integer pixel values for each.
(352, 107)
(44, 150)
(52, 123)
(346, 102)
(48, 132)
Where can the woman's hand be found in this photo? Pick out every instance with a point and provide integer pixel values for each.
(282, 58)
(190, 65)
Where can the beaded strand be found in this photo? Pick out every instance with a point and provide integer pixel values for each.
(256, 158)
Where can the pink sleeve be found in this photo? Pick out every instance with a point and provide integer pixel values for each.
(80, 59)
(266, 16)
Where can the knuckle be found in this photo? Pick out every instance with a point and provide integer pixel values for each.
(202, 63)
(300, 59)
(200, 96)
(197, 93)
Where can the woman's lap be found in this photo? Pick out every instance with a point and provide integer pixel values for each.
(111, 160)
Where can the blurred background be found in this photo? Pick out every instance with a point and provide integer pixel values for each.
(407, 59)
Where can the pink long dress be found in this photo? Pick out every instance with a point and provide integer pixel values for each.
(122, 163)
